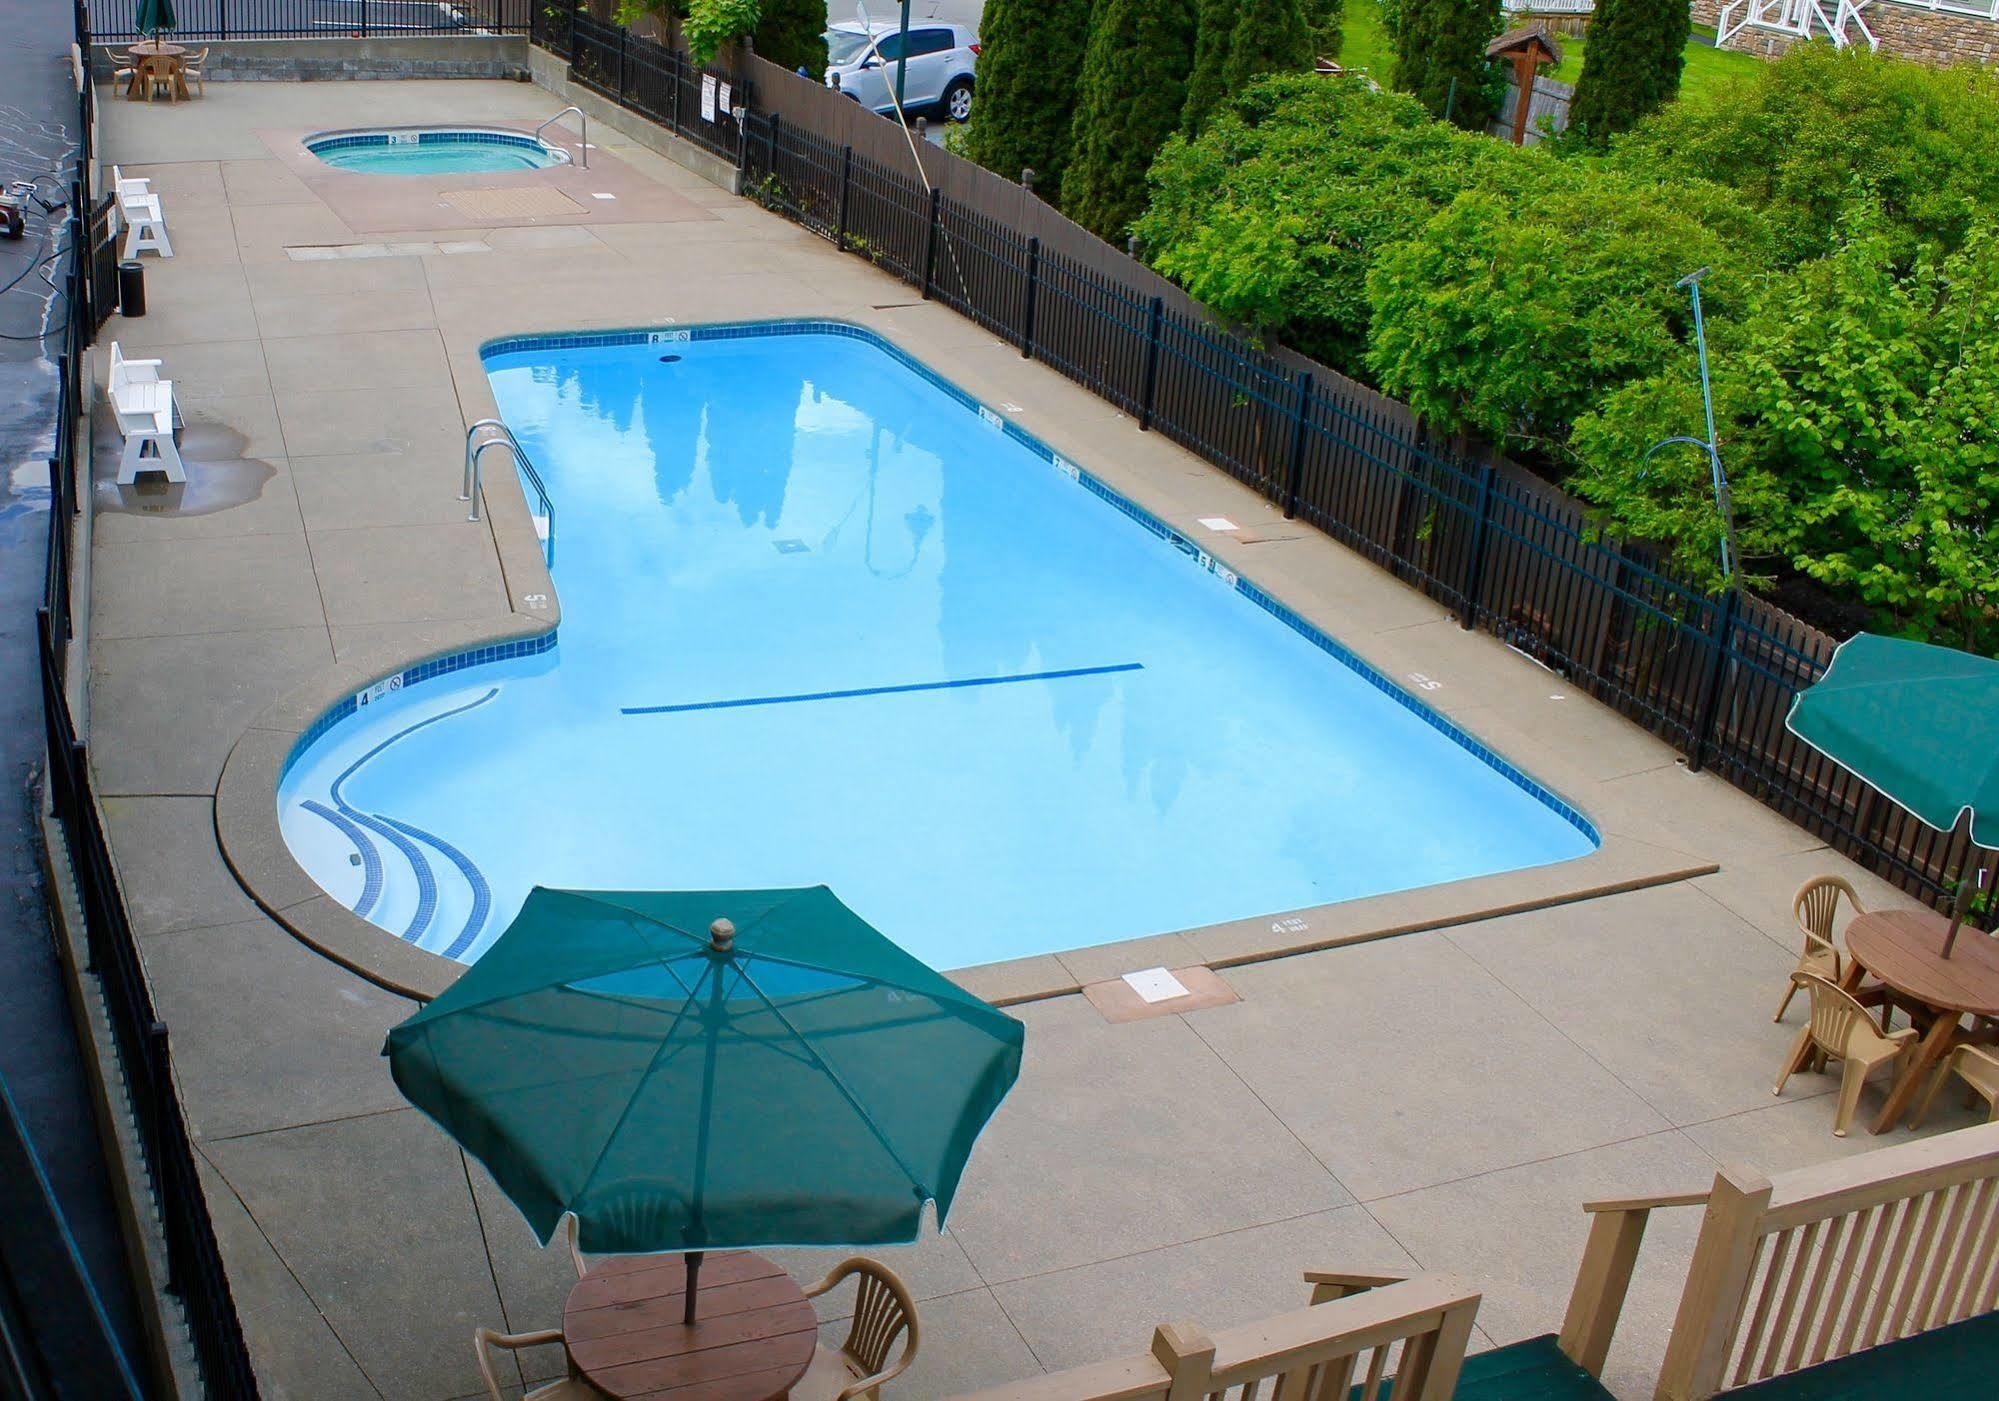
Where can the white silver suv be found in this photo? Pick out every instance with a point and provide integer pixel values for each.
(940, 66)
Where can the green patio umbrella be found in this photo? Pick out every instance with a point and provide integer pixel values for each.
(708, 1070)
(155, 15)
(1920, 723)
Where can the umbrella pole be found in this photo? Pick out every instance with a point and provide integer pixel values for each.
(693, 1285)
(1964, 879)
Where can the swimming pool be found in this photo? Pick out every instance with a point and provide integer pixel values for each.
(825, 619)
(433, 151)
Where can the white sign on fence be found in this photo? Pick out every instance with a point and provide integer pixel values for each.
(707, 97)
(722, 100)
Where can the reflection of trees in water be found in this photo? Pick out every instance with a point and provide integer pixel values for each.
(751, 428)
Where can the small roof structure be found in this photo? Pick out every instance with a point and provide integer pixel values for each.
(1521, 43)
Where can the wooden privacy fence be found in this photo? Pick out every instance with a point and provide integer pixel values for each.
(1808, 1266)
(1714, 675)
(1411, 1332)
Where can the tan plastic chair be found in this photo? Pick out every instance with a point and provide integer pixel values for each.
(484, 1340)
(1815, 907)
(1843, 1030)
(191, 68)
(860, 1366)
(1978, 1067)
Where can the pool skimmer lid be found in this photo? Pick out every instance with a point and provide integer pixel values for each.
(1156, 985)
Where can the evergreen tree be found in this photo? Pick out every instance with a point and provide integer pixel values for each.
(1440, 57)
(1214, 31)
(791, 34)
(1632, 66)
(1271, 36)
(1128, 101)
(1326, 20)
(1031, 55)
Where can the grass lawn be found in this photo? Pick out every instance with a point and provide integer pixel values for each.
(1367, 46)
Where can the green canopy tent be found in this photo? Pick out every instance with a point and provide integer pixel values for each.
(709, 1070)
(1918, 722)
(154, 16)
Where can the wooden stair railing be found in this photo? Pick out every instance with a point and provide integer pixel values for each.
(1322, 1350)
(1794, 1270)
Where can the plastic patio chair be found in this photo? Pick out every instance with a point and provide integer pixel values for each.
(860, 1366)
(1978, 1067)
(484, 1340)
(1815, 907)
(191, 67)
(1843, 1030)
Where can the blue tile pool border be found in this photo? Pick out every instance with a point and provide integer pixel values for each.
(348, 139)
(1248, 588)
(412, 675)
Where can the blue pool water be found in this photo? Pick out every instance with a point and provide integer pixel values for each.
(822, 620)
(455, 151)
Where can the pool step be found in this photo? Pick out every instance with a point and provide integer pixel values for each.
(411, 884)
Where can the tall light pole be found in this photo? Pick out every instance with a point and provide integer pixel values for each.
(902, 58)
(1723, 502)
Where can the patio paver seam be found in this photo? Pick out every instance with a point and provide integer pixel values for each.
(1669, 1130)
(304, 1123)
(279, 1256)
(1268, 1108)
(492, 1269)
(1498, 977)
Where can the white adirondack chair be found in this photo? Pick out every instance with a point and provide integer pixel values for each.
(145, 406)
(144, 220)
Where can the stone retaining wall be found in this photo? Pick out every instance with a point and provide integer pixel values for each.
(325, 60)
(1904, 31)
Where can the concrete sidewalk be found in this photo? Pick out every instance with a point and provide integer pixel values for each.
(1440, 1100)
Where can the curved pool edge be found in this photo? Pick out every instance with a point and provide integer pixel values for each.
(1628, 855)
(246, 809)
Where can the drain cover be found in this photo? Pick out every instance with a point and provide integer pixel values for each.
(791, 547)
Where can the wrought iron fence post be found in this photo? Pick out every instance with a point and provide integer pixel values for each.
(160, 1088)
(1294, 475)
(1027, 310)
(1154, 328)
(1711, 684)
(623, 36)
(846, 181)
(1474, 580)
(679, 81)
(930, 241)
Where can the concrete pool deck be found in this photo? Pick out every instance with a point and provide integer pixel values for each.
(1446, 1099)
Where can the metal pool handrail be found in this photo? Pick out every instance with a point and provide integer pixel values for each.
(470, 487)
(583, 120)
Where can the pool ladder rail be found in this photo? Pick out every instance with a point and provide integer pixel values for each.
(582, 120)
(470, 489)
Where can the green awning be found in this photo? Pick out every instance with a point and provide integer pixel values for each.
(1920, 723)
(808, 1083)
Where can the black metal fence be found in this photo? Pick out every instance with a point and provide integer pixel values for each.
(115, 20)
(664, 84)
(194, 1261)
(1713, 675)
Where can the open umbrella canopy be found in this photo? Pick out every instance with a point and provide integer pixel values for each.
(798, 1080)
(1920, 723)
(154, 16)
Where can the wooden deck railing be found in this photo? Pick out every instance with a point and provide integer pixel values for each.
(1809, 1265)
(1362, 1333)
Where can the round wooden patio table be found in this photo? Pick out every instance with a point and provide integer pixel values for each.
(156, 59)
(752, 1338)
(1904, 949)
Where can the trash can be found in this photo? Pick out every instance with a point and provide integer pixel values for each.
(132, 288)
